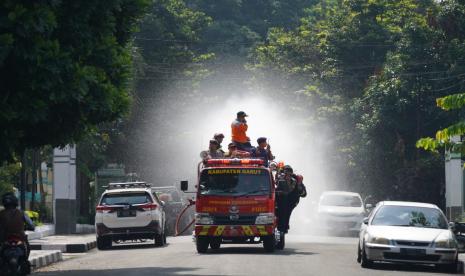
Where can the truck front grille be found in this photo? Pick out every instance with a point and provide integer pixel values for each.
(229, 220)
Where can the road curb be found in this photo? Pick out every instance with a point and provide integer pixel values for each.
(45, 258)
(66, 248)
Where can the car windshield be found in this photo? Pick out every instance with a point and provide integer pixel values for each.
(128, 198)
(410, 216)
(235, 182)
(341, 200)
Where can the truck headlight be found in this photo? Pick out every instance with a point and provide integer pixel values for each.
(378, 240)
(203, 218)
(265, 218)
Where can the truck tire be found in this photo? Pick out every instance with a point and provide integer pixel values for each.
(282, 242)
(269, 243)
(202, 244)
(215, 243)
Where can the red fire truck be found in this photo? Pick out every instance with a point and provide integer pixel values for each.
(235, 204)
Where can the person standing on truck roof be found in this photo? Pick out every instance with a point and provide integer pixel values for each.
(212, 152)
(263, 151)
(219, 138)
(238, 132)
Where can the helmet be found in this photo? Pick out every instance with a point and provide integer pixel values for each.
(9, 200)
(288, 168)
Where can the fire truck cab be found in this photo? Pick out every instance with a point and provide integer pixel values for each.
(235, 204)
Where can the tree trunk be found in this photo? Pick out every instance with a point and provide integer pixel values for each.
(22, 184)
(34, 180)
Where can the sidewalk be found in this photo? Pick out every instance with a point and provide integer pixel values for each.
(66, 244)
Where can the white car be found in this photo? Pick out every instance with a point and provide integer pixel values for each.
(407, 232)
(129, 211)
(340, 212)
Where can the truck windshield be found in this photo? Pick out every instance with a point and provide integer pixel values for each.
(235, 182)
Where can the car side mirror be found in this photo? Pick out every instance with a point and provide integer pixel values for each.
(184, 185)
(162, 203)
(368, 206)
(365, 220)
(452, 226)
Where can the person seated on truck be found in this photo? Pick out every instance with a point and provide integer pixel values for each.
(212, 152)
(219, 138)
(263, 151)
(233, 152)
(238, 132)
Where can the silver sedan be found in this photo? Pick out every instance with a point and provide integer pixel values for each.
(407, 232)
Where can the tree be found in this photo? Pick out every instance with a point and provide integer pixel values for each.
(64, 68)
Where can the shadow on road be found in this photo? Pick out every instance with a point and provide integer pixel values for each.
(134, 245)
(258, 251)
(139, 271)
(409, 268)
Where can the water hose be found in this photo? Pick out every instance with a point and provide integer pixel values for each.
(178, 219)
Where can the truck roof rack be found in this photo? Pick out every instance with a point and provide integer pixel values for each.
(124, 185)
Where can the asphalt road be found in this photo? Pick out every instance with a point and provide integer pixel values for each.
(304, 255)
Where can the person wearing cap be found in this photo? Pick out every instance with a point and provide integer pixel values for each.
(290, 189)
(238, 132)
(233, 152)
(263, 151)
(212, 152)
(219, 138)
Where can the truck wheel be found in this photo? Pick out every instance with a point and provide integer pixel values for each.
(215, 243)
(269, 243)
(202, 244)
(280, 245)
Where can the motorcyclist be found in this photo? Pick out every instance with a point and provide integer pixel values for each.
(13, 221)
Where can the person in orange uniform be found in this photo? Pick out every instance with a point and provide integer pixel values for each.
(238, 131)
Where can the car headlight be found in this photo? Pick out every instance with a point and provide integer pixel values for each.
(203, 218)
(378, 240)
(265, 218)
(445, 241)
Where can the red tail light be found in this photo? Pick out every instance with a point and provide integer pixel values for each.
(149, 206)
(102, 208)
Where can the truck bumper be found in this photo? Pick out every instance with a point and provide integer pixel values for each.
(231, 231)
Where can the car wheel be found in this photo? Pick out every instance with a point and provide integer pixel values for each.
(202, 244)
(159, 240)
(365, 262)
(359, 253)
(215, 243)
(269, 243)
(103, 243)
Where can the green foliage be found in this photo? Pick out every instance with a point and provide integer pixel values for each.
(9, 173)
(64, 68)
(372, 70)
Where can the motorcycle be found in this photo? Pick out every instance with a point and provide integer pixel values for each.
(13, 257)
